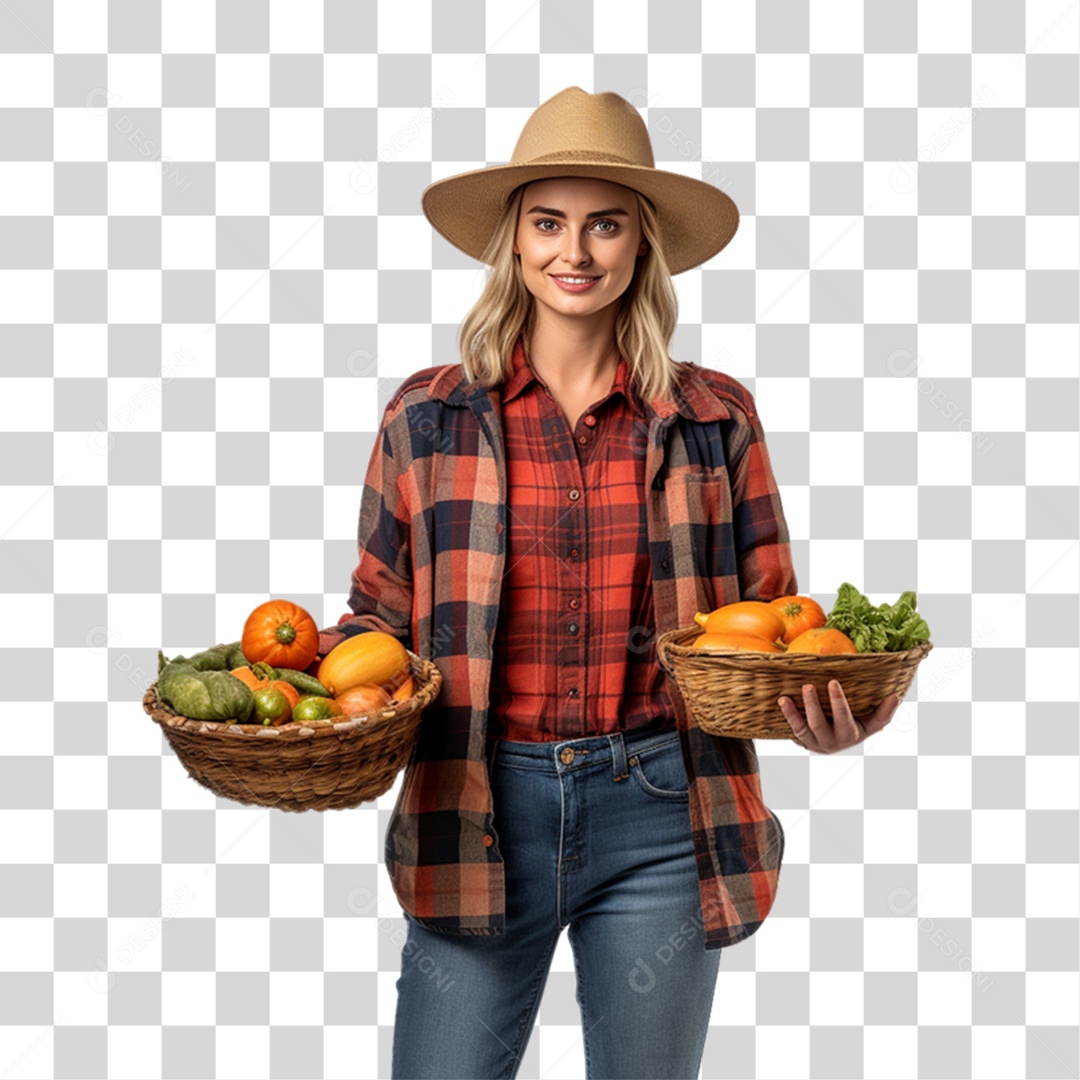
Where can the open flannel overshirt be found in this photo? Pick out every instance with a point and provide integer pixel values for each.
(432, 558)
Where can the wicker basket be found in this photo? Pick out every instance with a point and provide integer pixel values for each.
(735, 693)
(330, 765)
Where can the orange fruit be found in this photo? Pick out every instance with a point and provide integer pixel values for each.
(823, 642)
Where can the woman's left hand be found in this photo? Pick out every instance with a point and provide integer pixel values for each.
(814, 732)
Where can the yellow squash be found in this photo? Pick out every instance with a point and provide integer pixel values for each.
(369, 659)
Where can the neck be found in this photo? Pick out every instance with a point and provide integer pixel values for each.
(572, 357)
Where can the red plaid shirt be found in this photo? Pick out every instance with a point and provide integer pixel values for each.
(431, 561)
(575, 648)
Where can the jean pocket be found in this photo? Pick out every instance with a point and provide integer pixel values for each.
(660, 771)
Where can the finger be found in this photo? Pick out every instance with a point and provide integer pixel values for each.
(796, 720)
(845, 728)
(791, 713)
(882, 714)
(816, 718)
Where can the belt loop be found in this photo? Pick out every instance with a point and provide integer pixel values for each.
(618, 755)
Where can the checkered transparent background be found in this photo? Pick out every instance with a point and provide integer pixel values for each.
(214, 272)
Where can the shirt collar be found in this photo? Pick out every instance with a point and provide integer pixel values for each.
(697, 399)
(523, 374)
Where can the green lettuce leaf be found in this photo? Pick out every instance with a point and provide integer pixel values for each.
(885, 628)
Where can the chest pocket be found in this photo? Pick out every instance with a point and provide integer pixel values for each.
(709, 510)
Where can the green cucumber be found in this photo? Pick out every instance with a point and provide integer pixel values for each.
(306, 684)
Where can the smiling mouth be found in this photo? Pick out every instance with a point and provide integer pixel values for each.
(575, 279)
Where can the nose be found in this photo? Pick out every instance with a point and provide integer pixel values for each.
(575, 247)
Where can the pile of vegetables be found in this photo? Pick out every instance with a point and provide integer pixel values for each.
(798, 624)
(273, 675)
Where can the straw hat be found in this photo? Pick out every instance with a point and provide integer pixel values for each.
(576, 133)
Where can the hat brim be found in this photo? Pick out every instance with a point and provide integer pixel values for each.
(697, 220)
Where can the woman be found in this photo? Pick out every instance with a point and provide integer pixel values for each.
(532, 518)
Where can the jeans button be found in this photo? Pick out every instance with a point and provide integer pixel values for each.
(567, 755)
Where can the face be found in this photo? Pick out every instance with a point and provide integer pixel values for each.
(578, 227)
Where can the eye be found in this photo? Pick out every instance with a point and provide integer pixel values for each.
(600, 221)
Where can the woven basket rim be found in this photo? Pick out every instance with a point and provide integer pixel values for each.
(669, 636)
(425, 672)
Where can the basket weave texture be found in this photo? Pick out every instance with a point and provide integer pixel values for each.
(735, 693)
(321, 766)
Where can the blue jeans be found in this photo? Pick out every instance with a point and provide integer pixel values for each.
(595, 836)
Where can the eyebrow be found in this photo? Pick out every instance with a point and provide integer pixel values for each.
(594, 214)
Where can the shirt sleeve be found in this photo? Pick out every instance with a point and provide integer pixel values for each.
(762, 542)
(381, 592)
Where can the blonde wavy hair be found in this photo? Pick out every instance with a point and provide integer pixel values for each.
(644, 324)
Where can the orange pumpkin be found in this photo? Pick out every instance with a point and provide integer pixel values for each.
(372, 659)
(831, 642)
(736, 642)
(249, 677)
(252, 678)
(287, 689)
(753, 617)
(405, 690)
(282, 634)
(799, 613)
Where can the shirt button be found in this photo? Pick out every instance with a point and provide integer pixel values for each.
(590, 420)
(567, 755)
(488, 839)
(583, 439)
(665, 564)
(573, 553)
(575, 603)
(572, 628)
(575, 494)
(572, 692)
